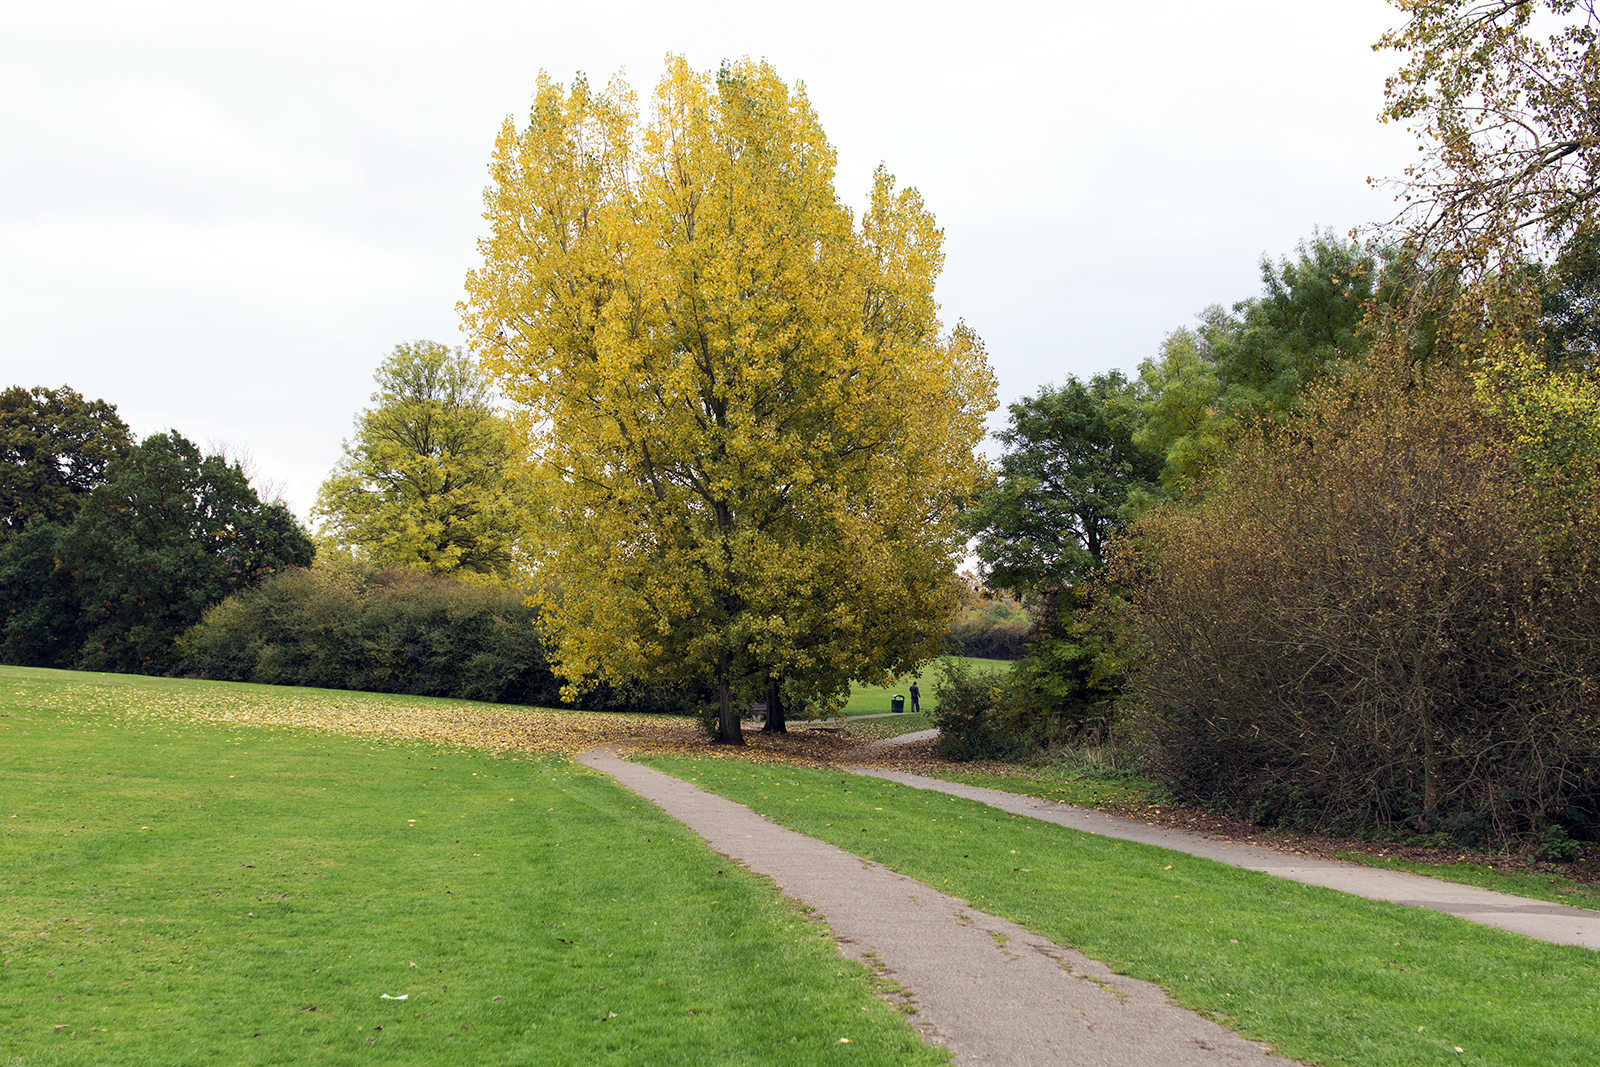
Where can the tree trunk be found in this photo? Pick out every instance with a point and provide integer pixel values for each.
(729, 732)
(1430, 774)
(775, 721)
(1422, 701)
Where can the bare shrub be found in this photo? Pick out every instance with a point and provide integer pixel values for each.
(1375, 619)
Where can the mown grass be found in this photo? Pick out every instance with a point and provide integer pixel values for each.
(1483, 873)
(1066, 782)
(1081, 782)
(212, 893)
(872, 699)
(888, 726)
(1319, 975)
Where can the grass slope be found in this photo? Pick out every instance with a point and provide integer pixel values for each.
(206, 894)
(1320, 975)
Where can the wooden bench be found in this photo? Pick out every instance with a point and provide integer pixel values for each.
(758, 711)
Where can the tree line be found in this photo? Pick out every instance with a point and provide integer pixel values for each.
(151, 557)
(110, 548)
(1329, 560)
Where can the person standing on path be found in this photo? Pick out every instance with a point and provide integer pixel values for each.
(916, 699)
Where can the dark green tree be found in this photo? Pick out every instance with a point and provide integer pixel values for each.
(1070, 465)
(1072, 469)
(1569, 306)
(54, 447)
(40, 614)
(169, 533)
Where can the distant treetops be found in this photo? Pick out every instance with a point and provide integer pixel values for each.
(110, 549)
(433, 479)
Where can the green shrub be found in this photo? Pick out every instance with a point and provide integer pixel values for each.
(1558, 845)
(340, 627)
(1064, 688)
(966, 718)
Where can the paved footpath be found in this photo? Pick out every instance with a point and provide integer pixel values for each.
(1561, 924)
(987, 989)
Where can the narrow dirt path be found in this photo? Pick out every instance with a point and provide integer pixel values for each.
(989, 990)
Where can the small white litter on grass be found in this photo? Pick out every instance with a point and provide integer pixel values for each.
(402, 996)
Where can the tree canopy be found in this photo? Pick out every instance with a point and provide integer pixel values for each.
(1255, 360)
(168, 534)
(432, 479)
(54, 447)
(1070, 465)
(751, 432)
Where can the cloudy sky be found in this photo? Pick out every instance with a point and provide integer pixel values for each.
(220, 217)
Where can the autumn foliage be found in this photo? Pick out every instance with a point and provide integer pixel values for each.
(1381, 615)
(749, 430)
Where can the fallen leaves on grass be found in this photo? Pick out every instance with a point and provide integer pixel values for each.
(464, 724)
(457, 723)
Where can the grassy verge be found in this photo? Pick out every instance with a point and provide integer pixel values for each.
(215, 893)
(1069, 784)
(1484, 874)
(1076, 780)
(1319, 975)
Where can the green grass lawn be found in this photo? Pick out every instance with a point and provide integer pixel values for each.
(212, 894)
(872, 699)
(1072, 783)
(1065, 782)
(1319, 975)
(1482, 873)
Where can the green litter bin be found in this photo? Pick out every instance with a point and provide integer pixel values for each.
(897, 703)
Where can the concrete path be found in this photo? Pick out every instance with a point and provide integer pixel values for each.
(1561, 924)
(990, 991)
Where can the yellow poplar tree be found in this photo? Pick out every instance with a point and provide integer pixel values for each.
(751, 432)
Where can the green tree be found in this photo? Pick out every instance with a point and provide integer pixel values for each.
(738, 395)
(1309, 316)
(1072, 465)
(41, 623)
(1254, 361)
(432, 479)
(1569, 306)
(168, 534)
(54, 447)
(1072, 461)
(1184, 418)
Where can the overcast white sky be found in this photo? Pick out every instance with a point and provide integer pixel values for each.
(221, 216)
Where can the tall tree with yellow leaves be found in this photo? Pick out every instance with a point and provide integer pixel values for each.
(751, 433)
(432, 480)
